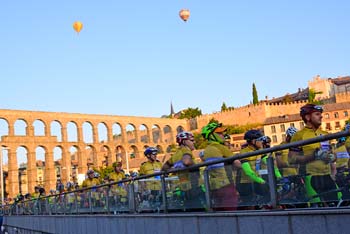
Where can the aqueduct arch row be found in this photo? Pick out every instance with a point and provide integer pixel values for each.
(108, 138)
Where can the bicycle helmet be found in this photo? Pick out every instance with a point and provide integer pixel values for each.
(90, 171)
(253, 135)
(182, 136)
(209, 132)
(341, 140)
(310, 108)
(291, 131)
(117, 164)
(150, 150)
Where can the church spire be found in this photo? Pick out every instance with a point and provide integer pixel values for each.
(172, 112)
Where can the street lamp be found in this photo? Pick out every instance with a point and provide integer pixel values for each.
(2, 174)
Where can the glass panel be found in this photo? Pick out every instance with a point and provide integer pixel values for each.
(118, 198)
(148, 195)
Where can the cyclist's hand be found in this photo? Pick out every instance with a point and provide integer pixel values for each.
(260, 180)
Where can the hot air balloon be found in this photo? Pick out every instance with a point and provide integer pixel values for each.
(78, 26)
(184, 14)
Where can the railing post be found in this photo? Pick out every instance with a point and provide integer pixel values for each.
(272, 181)
(165, 202)
(107, 199)
(207, 190)
(76, 202)
(131, 197)
(90, 201)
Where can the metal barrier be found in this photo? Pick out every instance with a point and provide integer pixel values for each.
(201, 187)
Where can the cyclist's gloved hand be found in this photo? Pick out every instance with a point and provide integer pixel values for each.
(325, 156)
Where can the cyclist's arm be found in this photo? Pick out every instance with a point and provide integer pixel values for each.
(296, 157)
(251, 174)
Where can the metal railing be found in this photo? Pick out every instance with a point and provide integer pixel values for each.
(187, 189)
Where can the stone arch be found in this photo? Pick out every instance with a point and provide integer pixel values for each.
(58, 161)
(56, 130)
(102, 132)
(72, 131)
(168, 134)
(88, 132)
(39, 127)
(179, 129)
(131, 134)
(120, 154)
(144, 133)
(106, 155)
(117, 133)
(21, 127)
(78, 162)
(4, 127)
(145, 147)
(91, 157)
(160, 149)
(133, 152)
(156, 134)
(22, 161)
(40, 156)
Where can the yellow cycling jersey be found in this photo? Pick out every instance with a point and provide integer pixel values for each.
(148, 168)
(316, 167)
(342, 156)
(347, 144)
(218, 177)
(117, 176)
(177, 156)
(90, 182)
(283, 156)
(252, 160)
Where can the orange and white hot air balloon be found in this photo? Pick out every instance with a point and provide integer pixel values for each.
(184, 14)
(77, 26)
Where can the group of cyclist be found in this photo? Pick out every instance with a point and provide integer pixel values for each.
(320, 169)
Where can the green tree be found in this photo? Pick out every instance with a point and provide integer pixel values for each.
(312, 97)
(287, 98)
(255, 95)
(104, 172)
(212, 120)
(190, 113)
(224, 107)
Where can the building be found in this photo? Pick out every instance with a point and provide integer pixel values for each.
(334, 117)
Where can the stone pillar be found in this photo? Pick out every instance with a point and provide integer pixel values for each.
(30, 130)
(109, 134)
(31, 171)
(82, 163)
(50, 172)
(11, 129)
(64, 134)
(80, 134)
(13, 187)
(66, 167)
(124, 136)
(137, 135)
(149, 139)
(94, 135)
(47, 129)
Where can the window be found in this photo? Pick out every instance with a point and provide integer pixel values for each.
(301, 124)
(132, 155)
(274, 138)
(273, 129)
(346, 114)
(336, 115)
(326, 116)
(328, 126)
(337, 125)
(283, 137)
(283, 128)
(292, 124)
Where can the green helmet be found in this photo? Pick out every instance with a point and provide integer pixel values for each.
(208, 132)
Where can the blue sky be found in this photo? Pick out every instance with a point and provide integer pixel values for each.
(134, 57)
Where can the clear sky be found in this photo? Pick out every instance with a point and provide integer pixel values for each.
(134, 57)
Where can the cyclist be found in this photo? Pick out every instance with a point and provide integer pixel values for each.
(342, 167)
(314, 159)
(251, 182)
(118, 190)
(282, 156)
(222, 187)
(151, 189)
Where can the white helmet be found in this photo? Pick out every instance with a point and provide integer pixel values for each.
(291, 131)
